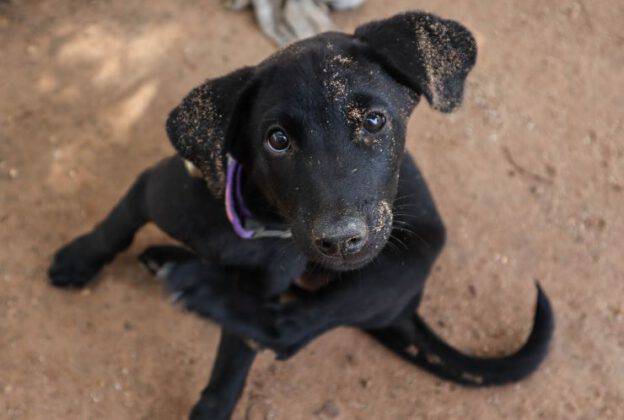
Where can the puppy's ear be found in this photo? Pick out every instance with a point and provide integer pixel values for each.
(199, 128)
(431, 55)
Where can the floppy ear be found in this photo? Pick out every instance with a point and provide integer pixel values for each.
(200, 126)
(431, 55)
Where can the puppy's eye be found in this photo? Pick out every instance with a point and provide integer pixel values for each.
(374, 121)
(277, 141)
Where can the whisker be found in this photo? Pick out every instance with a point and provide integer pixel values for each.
(406, 196)
(406, 215)
(402, 229)
(400, 241)
(394, 247)
(407, 206)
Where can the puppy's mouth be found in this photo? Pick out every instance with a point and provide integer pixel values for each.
(346, 263)
(379, 225)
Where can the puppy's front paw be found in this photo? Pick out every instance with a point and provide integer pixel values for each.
(277, 328)
(72, 267)
(208, 408)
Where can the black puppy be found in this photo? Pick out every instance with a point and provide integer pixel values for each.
(303, 175)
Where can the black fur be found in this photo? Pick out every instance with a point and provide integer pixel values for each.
(446, 51)
(336, 176)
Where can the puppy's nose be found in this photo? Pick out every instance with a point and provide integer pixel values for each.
(343, 238)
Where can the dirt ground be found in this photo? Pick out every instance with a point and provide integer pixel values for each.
(528, 174)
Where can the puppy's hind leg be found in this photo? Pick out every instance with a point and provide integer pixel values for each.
(76, 263)
(157, 258)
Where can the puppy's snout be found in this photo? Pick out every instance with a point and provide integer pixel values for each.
(347, 236)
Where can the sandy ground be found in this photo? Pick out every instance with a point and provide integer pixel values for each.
(529, 176)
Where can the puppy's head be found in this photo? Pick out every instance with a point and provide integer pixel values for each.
(320, 126)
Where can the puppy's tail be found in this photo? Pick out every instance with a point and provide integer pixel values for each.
(418, 344)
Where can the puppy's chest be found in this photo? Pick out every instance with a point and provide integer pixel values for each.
(222, 245)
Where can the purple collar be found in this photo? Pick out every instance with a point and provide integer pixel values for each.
(239, 215)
